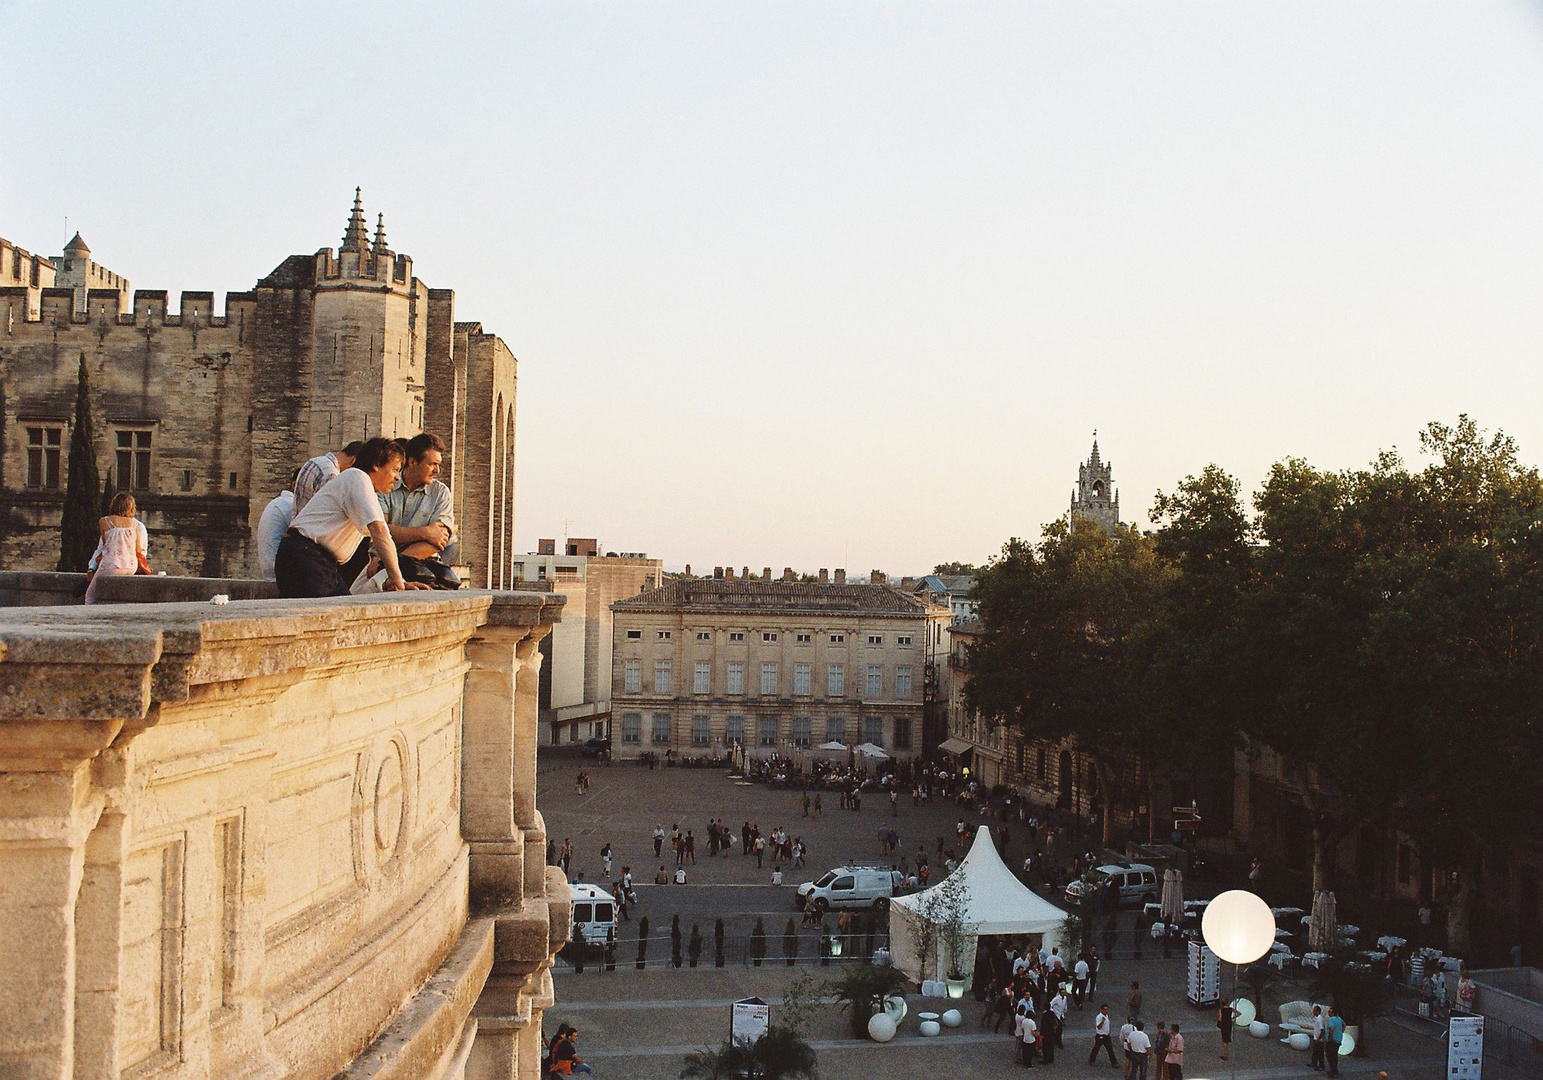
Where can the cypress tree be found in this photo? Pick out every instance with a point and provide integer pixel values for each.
(78, 530)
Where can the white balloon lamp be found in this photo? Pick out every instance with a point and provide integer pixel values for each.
(1347, 1045)
(1243, 1011)
(1238, 926)
(881, 1027)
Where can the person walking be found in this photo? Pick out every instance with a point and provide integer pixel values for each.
(1080, 981)
(1101, 1037)
(605, 861)
(1133, 1006)
(1028, 1034)
(658, 840)
(1334, 1034)
(1225, 1016)
(1174, 1059)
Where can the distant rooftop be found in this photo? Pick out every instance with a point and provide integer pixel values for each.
(718, 594)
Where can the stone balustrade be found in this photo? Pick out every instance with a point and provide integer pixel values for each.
(275, 839)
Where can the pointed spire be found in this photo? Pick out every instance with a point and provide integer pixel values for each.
(356, 236)
(1093, 461)
(380, 233)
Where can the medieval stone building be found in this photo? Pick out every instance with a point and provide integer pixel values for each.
(204, 416)
(1095, 499)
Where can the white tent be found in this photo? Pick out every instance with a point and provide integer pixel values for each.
(998, 904)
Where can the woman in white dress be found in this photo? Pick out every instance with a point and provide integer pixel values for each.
(124, 542)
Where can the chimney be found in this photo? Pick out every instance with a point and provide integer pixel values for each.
(717, 573)
(841, 576)
(787, 573)
(744, 572)
(824, 576)
(766, 574)
(877, 577)
(546, 547)
(688, 569)
(728, 573)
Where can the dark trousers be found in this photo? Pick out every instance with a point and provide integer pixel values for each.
(1317, 1061)
(1102, 1042)
(303, 568)
(1332, 1049)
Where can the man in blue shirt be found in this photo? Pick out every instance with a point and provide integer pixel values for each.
(1336, 1035)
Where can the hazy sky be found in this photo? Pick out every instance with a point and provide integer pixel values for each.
(850, 284)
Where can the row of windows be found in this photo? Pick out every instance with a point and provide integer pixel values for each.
(770, 637)
(131, 448)
(702, 679)
(766, 730)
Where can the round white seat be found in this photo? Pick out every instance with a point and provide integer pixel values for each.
(1259, 1029)
(930, 1029)
(951, 1018)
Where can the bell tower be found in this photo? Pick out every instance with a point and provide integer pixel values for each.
(1094, 498)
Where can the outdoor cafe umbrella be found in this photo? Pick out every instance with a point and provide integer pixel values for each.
(868, 749)
(1324, 928)
(1173, 897)
(835, 746)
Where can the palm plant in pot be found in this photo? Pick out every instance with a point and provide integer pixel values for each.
(956, 931)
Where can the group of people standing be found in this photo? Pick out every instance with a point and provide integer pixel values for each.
(370, 517)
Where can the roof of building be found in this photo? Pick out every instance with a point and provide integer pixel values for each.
(77, 245)
(966, 627)
(722, 594)
(953, 584)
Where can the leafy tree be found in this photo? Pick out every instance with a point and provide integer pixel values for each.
(78, 531)
(780, 1054)
(955, 568)
(1056, 657)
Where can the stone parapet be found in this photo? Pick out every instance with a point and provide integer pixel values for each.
(275, 838)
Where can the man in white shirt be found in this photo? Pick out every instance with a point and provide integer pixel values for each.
(314, 474)
(1020, 965)
(272, 526)
(1140, 1051)
(1125, 1033)
(1028, 1032)
(1101, 1037)
(1317, 1061)
(1079, 981)
(325, 534)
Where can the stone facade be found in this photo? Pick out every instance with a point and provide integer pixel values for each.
(204, 416)
(1095, 498)
(21, 269)
(576, 679)
(275, 839)
(702, 665)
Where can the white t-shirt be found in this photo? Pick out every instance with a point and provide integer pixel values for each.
(271, 528)
(1101, 1024)
(1139, 1042)
(341, 513)
(1081, 970)
(1028, 1029)
(1126, 1031)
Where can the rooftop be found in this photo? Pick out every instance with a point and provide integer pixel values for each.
(718, 594)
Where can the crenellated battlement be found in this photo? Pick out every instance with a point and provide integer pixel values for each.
(150, 308)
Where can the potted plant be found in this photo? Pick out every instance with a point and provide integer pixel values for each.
(790, 942)
(861, 990)
(642, 942)
(956, 932)
(758, 942)
(694, 947)
(718, 943)
(675, 941)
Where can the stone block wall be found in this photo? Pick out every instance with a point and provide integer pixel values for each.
(275, 839)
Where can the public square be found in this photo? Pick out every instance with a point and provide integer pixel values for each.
(640, 1024)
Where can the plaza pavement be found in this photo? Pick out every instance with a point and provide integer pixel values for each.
(639, 1025)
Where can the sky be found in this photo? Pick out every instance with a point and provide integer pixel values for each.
(851, 284)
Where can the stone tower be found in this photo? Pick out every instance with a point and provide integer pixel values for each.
(1095, 498)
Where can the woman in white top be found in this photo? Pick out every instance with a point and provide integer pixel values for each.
(123, 543)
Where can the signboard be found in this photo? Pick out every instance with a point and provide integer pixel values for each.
(1465, 1048)
(1186, 825)
(748, 1020)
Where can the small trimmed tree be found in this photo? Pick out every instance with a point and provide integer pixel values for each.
(718, 943)
(675, 941)
(790, 942)
(78, 531)
(694, 946)
(758, 942)
(642, 942)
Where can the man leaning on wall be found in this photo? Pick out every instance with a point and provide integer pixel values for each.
(421, 518)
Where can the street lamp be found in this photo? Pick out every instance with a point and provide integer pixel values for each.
(1238, 927)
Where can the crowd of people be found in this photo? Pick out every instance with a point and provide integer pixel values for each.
(370, 517)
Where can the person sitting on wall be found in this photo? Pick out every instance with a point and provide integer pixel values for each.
(325, 534)
(421, 517)
(314, 474)
(272, 526)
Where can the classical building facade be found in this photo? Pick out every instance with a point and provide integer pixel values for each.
(705, 665)
(575, 696)
(204, 415)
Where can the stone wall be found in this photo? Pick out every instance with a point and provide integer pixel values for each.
(275, 839)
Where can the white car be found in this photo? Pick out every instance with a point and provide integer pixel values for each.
(851, 887)
(1137, 881)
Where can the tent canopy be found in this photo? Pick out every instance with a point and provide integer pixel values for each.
(998, 904)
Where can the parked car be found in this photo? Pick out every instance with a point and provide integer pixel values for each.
(597, 748)
(1137, 882)
(850, 887)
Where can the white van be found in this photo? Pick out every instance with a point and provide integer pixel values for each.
(850, 887)
(594, 913)
(1137, 881)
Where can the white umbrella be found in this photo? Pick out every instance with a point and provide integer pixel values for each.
(868, 749)
(1324, 928)
(1173, 896)
(833, 746)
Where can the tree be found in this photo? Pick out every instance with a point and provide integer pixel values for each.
(642, 943)
(694, 946)
(953, 568)
(675, 941)
(758, 941)
(780, 1054)
(1055, 658)
(78, 531)
(861, 990)
(790, 943)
